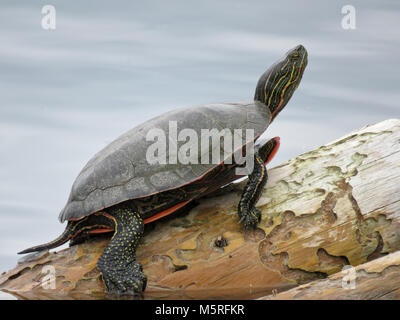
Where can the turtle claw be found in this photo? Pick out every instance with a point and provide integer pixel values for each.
(129, 281)
(249, 216)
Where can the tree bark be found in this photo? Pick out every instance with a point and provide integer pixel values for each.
(334, 206)
(377, 279)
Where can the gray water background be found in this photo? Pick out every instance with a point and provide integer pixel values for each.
(110, 65)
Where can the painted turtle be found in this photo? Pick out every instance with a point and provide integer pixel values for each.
(119, 191)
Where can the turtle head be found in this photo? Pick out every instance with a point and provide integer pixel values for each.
(276, 86)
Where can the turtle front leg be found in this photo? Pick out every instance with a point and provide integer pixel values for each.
(248, 213)
(121, 273)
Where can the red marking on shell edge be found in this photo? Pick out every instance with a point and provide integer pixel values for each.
(166, 212)
(103, 213)
(96, 231)
(275, 150)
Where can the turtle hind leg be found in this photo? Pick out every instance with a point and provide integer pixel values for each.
(121, 273)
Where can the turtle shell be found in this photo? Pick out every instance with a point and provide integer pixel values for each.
(120, 171)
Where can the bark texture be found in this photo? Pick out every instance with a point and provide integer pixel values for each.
(378, 279)
(334, 206)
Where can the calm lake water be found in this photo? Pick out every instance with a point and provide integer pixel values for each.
(108, 66)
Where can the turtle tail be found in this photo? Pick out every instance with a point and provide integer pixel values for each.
(63, 238)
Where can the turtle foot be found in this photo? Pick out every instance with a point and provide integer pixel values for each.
(128, 281)
(250, 216)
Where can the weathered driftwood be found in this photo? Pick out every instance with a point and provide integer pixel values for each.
(377, 279)
(331, 207)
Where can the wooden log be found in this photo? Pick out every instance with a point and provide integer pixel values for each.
(377, 279)
(325, 209)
